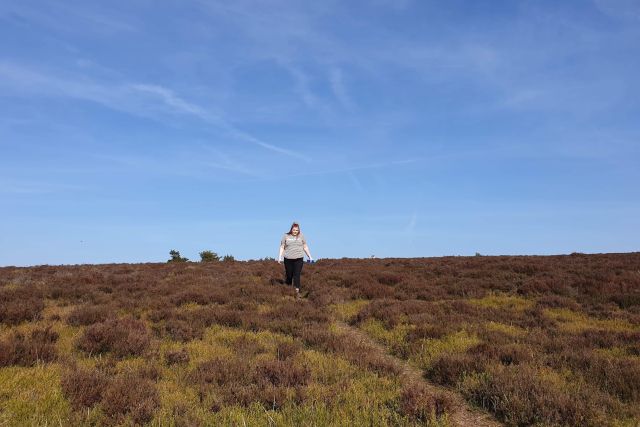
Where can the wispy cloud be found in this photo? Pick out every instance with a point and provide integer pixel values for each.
(173, 101)
(339, 89)
(225, 161)
(355, 181)
(620, 9)
(411, 225)
(16, 187)
(350, 169)
(64, 17)
(133, 98)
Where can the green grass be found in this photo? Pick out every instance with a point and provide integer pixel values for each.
(572, 321)
(503, 301)
(390, 337)
(32, 396)
(431, 349)
(347, 310)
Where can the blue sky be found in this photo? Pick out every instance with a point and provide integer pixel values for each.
(388, 128)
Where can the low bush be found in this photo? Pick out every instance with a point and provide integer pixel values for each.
(450, 368)
(619, 377)
(88, 315)
(20, 304)
(418, 402)
(83, 387)
(130, 395)
(28, 350)
(222, 372)
(282, 373)
(122, 337)
(209, 256)
(286, 350)
(177, 357)
(246, 347)
(175, 256)
(524, 395)
(179, 330)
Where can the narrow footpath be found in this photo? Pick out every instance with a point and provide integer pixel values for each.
(463, 415)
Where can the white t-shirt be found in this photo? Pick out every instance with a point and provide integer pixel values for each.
(293, 245)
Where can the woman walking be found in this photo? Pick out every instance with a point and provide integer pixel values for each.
(293, 246)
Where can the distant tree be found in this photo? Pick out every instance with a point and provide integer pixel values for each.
(268, 258)
(228, 258)
(209, 256)
(175, 256)
(478, 254)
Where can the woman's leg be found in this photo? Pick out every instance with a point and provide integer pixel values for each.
(299, 262)
(288, 268)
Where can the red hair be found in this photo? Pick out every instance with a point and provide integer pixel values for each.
(295, 224)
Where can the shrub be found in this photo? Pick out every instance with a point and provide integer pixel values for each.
(523, 395)
(507, 354)
(451, 368)
(191, 296)
(319, 337)
(123, 337)
(131, 395)
(273, 397)
(175, 257)
(83, 387)
(218, 315)
(176, 357)
(179, 330)
(435, 331)
(23, 350)
(389, 279)
(88, 315)
(221, 372)
(418, 402)
(209, 256)
(617, 376)
(228, 258)
(282, 373)
(246, 347)
(17, 305)
(286, 350)
(238, 394)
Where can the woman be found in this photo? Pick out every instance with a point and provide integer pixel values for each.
(293, 246)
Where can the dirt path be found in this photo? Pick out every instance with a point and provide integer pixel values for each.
(463, 415)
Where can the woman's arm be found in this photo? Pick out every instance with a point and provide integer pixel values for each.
(305, 248)
(280, 253)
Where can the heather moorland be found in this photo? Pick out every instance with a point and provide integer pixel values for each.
(515, 340)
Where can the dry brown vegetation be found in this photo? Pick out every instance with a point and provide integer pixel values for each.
(551, 340)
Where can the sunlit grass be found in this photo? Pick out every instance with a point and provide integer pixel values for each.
(390, 337)
(66, 334)
(347, 310)
(32, 396)
(572, 321)
(430, 350)
(339, 394)
(510, 330)
(502, 301)
(611, 352)
(226, 336)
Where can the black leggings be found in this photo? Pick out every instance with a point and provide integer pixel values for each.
(293, 268)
